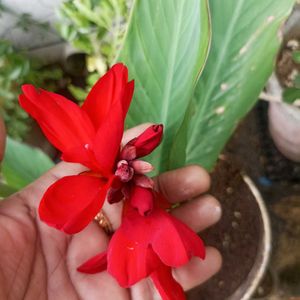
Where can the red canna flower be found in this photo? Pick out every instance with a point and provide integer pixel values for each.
(91, 135)
(149, 242)
(148, 246)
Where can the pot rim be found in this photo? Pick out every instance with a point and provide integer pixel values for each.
(248, 287)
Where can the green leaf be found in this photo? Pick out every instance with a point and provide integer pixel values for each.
(78, 92)
(296, 56)
(290, 95)
(6, 190)
(297, 82)
(165, 49)
(67, 31)
(23, 164)
(245, 41)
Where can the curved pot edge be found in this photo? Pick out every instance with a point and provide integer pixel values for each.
(257, 272)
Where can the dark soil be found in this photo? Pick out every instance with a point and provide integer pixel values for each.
(237, 235)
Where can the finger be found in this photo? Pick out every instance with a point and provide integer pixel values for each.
(183, 184)
(86, 244)
(198, 271)
(199, 213)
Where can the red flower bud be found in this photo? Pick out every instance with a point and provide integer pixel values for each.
(146, 142)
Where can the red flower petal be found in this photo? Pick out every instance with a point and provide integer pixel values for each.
(128, 259)
(128, 152)
(94, 265)
(173, 241)
(142, 200)
(115, 194)
(62, 121)
(146, 142)
(83, 155)
(72, 202)
(109, 89)
(108, 139)
(166, 285)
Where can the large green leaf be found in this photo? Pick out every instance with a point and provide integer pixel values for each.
(245, 40)
(165, 49)
(23, 164)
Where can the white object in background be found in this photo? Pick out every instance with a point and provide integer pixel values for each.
(284, 123)
(44, 43)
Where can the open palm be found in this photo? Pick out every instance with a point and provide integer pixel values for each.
(39, 262)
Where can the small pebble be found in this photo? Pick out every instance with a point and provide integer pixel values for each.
(234, 225)
(237, 214)
(229, 190)
(221, 283)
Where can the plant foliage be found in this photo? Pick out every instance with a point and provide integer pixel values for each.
(165, 49)
(16, 69)
(22, 164)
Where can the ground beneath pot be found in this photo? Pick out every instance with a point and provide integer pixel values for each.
(278, 179)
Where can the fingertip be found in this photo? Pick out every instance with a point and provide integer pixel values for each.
(198, 271)
(216, 259)
(184, 183)
(198, 177)
(202, 212)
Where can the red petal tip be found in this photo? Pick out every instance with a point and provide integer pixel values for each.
(94, 265)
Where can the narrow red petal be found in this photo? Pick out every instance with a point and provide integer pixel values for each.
(94, 265)
(167, 286)
(128, 96)
(108, 139)
(72, 202)
(146, 142)
(142, 200)
(109, 89)
(62, 121)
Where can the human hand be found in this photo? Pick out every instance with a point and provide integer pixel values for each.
(39, 262)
